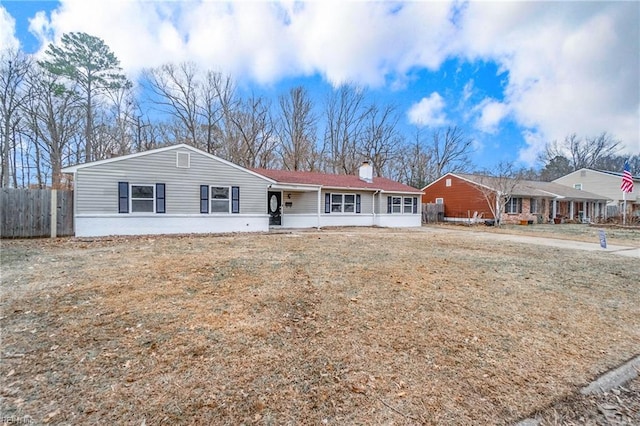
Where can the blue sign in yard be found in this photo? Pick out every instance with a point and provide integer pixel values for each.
(603, 239)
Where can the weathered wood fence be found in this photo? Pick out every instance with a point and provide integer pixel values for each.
(432, 212)
(29, 213)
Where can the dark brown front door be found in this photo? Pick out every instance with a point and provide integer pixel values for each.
(274, 207)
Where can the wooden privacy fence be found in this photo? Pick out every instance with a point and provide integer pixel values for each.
(432, 212)
(28, 213)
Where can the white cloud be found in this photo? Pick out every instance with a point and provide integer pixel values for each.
(572, 67)
(365, 42)
(534, 147)
(8, 38)
(492, 113)
(428, 112)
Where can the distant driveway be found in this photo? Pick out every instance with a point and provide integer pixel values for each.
(628, 251)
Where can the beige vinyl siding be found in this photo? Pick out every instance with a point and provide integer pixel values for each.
(598, 183)
(97, 186)
(301, 202)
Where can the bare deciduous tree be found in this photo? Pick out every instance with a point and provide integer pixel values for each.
(297, 131)
(54, 116)
(381, 138)
(449, 152)
(498, 186)
(414, 162)
(253, 121)
(344, 128)
(14, 67)
(580, 153)
(175, 90)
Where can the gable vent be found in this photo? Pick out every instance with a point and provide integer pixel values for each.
(183, 160)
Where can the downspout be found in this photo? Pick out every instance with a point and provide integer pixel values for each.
(373, 201)
(319, 204)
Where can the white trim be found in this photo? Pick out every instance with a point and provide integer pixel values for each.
(343, 203)
(94, 225)
(211, 199)
(399, 220)
(153, 199)
(296, 187)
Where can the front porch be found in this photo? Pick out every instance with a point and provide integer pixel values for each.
(309, 206)
(578, 211)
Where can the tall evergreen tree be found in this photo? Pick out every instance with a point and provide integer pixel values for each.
(89, 63)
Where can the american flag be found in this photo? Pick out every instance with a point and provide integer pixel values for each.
(627, 179)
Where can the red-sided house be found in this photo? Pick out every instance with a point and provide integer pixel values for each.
(467, 196)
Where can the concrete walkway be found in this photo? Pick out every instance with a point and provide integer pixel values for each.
(628, 251)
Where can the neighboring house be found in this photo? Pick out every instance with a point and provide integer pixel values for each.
(180, 189)
(606, 184)
(467, 197)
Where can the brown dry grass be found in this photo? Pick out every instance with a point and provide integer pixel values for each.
(341, 326)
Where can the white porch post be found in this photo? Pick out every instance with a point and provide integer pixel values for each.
(319, 205)
(554, 209)
(571, 210)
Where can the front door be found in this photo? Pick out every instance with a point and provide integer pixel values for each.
(274, 207)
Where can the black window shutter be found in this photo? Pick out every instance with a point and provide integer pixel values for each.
(519, 205)
(415, 205)
(160, 203)
(357, 203)
(235, 199)
(388, 204)
(204, 198)
(327, 203)
(123, 197)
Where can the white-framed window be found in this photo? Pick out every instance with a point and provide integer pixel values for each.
(349, 203)
(577, 186)
(534, 206)
(439, 200)
(336, 203)
(143, 198)
(220, 199)
(403, 205)
(513, 206)
(343, 203)
(407, 205)
(447, 182)
(396, 204)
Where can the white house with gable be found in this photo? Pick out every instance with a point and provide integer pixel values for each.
(180, 189)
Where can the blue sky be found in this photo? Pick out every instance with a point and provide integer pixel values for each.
(513, 75)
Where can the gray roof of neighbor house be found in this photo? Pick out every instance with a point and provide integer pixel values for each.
(533, 188)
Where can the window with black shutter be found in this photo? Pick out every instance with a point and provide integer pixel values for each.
(235, 199)
(327, 203)
(123, 197)
(160, 198)
(389, 204)
(204, 198)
